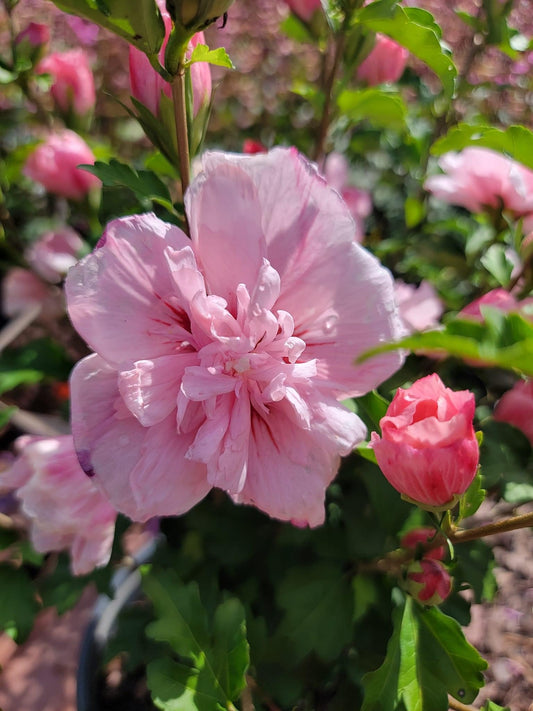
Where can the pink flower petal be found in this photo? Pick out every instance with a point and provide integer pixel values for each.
(127, 289)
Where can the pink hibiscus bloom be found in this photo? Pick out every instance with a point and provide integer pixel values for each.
(480, 178)
(220, 360)
(65, 509)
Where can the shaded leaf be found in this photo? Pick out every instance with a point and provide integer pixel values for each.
(378, 107)
(515, 141)
(19, 606)
(139, 22)
(417, 31)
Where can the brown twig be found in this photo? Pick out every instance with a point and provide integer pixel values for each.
(328, 96)
(180, 114)
(458, 706)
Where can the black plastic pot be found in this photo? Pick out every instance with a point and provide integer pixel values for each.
(126, 585)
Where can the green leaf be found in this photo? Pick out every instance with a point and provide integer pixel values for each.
(515, 141)
(380, 108)
(472, 498)
(318, 605)
(374, 406)
(504, 340)
(491, 706)
(474, 566)
(145, 184)
(415, 30)
(139, 22)
(219, 57)
(19, 606)
(427, 658)
(6, 414)
(215, 657)
(414, 210)
(497, 263)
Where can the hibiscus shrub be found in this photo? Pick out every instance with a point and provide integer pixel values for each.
(278, 319)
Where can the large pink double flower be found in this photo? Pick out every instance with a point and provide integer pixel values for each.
(220, 361)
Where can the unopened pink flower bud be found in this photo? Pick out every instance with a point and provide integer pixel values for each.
(428, 450)
(147, 84)
(72, 80)
(36, 34)
(385, 63)
(421, 536)
(252, 147)
(54, 164)
(32, 41)
(428, 581)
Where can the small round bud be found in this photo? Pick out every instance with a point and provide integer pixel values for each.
(428, 581)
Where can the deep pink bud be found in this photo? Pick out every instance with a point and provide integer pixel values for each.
(516, 408)
(55, 162)
(428, 449)
(73, 82)
(147, 84)
(385, 63)
(420, 536)
(35, 34)
(428, 581)
(304, 8)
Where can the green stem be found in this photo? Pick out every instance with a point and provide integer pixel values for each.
(328, 96)
(490, 529)
(180, 115)
(394, 561)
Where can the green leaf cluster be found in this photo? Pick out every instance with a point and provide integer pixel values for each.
(427, 658)
(212, 654)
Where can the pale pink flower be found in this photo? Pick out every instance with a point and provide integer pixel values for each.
(23, 290)
(428, 450)
(147, 84)
(516, 408)
(304, 8)
(65, 508)
(385, 63)
(54, 253)
(220, 361)
(480, 178)
(420, 307)
(359, 202)
(72, 80)
(54, 164)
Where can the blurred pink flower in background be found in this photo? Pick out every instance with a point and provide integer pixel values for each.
(480, 178)
(86, 32)
(54, 164)
(428, 581)
(420, 307)
(304, 8)
(147, 84)
(516, 408)
(23, 290)
(385, 63)
(497, 299)
(227, 372)
(428, 450)
(65, 508)
(359, 202)
(72, 80)
(54, 253)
